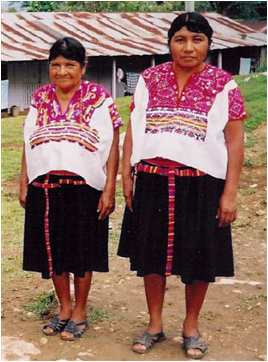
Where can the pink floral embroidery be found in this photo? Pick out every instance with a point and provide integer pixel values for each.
(115, 117)
(187, 115)
(74, 124)
(236, 105)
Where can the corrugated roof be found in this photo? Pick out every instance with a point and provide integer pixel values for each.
(28, 36)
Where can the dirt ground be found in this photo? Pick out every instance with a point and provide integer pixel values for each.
(233, 319)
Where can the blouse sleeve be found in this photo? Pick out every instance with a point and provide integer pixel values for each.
(32, 113)
(35, 98)
(115, 116)
(236, 105)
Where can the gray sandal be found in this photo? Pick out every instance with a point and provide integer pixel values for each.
(147, 340)
(195, 342)
(56, 325)
(76, 330)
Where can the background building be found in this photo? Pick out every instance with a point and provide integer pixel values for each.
(119, 46)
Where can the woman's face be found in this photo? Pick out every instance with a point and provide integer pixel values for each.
(65, 73)
(188, 50)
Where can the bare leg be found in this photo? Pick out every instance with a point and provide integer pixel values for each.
(194, 296)
(81, 288)
(62, 288)
(155, 286)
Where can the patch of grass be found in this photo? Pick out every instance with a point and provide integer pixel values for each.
(248, 163)
(12, 220)
(123, 108)
(10, 163)
(247, 192)
(10, 264)
(97, 315)
(12, 130)
(42, 304)
(253, 88)
(12, 141)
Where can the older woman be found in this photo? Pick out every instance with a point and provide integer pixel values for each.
(185, 142)
(67, 183)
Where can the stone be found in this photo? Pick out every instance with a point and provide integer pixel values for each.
(43, 340)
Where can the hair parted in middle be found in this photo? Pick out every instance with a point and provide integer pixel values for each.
(194, 22)
(69, 48)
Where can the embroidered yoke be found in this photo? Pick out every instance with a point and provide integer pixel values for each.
(188, 129)
(77, 140)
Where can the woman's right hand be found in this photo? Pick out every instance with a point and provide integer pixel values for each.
(23, 193)
(128, 190)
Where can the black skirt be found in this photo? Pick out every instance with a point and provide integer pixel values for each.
(201, 249)
(62, 232)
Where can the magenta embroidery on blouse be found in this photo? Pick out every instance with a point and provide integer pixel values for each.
(236, 105)
(187, 115)
(74, 124)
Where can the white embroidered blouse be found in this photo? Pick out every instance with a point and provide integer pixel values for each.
(78, 140)
(189, 129)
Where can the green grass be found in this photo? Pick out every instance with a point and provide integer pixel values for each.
(123, 108)
(42, 304)
(12, 130)
(12, 141)
(97, 315)
(254, 91)
(45, 303)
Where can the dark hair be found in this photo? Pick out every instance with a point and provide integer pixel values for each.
(194, 22)
(69, 48)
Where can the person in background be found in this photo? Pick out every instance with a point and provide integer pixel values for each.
(67, 182)
(184, 149)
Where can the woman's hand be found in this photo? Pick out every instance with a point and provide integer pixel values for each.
(128, 190)
(227, 210)
(106, 204)
(23, 193)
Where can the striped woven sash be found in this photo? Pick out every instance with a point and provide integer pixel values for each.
(171, 173)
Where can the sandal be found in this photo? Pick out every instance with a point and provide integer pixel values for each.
(56, 325)
(147, 340)
(75, 329)
(195, 342)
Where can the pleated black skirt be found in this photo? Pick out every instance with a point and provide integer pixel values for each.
(62, 232)
(201, 249)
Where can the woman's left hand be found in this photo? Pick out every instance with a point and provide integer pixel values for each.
(106, 204)
(227, 211)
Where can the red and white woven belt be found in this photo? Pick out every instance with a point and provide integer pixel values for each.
(171, 173)
(46, 185)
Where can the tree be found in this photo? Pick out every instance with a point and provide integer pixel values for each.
(104, 6)
(41, 6)
(233, 9)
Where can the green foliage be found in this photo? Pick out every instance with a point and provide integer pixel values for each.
(235, 9)
(39, 6)
(104, 6)
(42, 304)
